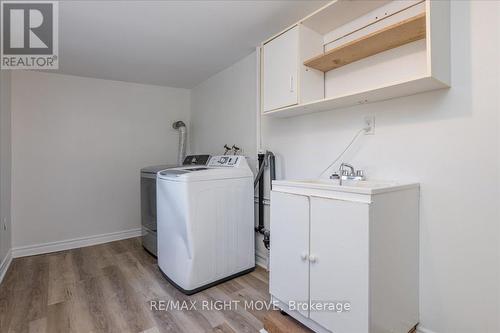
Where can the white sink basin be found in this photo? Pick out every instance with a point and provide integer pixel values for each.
(352, 186)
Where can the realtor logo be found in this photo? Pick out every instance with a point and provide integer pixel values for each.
(29, 32)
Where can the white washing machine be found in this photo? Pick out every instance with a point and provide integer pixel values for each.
(206, 223)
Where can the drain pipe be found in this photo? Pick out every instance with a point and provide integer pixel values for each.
(260, 179)
(269, 160)
(181, 127)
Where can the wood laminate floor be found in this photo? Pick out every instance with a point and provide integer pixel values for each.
(111, 287)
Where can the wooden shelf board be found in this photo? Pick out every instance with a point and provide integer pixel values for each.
(397, 89)
(390, 37)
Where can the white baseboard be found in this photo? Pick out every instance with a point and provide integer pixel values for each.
(421, 329)
(4, 266)
(29, 250)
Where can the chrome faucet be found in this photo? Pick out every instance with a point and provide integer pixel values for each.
(344, 172)
(350, 174)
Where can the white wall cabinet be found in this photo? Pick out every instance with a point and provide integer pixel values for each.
(280, 60)
(356, 52)
(329, 246)
(285, 80)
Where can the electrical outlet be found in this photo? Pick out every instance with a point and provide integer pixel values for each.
(370, 125)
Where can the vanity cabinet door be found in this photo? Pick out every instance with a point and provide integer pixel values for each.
(280, 70)
(289, 265)
(340, 262)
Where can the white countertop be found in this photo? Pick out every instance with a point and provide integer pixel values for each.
(368, 187)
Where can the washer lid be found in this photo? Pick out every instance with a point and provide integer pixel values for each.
(188, 174)
(190, 160)
(156, 168)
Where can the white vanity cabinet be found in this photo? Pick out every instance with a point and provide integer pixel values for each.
(290, 250)
(355, 245)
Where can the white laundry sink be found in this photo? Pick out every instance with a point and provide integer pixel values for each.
(351, 186)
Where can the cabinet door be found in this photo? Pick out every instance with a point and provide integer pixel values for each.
(339, 262)
(280, 68)
(289, 268)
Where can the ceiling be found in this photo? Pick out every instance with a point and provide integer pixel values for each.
(169, 43)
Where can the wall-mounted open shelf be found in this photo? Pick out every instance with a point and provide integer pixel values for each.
(395, 35)
(355, 52)
(393, 90)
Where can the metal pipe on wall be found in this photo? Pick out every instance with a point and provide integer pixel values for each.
(181, 153)
(266, 159)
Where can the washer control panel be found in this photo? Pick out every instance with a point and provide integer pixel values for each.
(196, 160)
(230, 161)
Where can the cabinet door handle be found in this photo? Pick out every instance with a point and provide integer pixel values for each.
(292, 88)
(313, 259)
(304, 256)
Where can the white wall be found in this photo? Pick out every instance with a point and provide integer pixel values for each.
(77, 147)
(5, 167)
(446, 140)
(223, 110)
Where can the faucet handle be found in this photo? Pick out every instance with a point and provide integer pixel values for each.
(227, 149)
(235, 149)
(360, 175)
